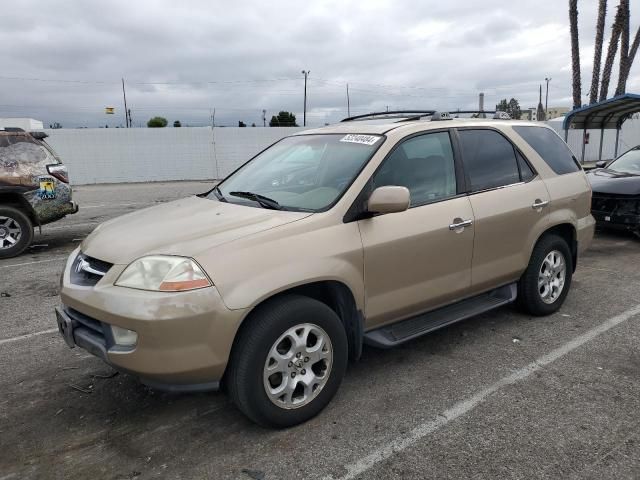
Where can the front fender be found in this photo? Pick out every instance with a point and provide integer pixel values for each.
(251, 270)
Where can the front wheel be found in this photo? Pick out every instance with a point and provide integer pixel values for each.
(288, 362)
(545, 283)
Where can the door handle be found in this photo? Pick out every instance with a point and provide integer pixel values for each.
(462, 224)
(539, 204)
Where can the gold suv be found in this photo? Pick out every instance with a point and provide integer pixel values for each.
(369, 231)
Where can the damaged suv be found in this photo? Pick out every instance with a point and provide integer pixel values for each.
(34, 188)
(361, 232)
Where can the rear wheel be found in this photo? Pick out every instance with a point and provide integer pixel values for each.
(288, 361)
(16, 232)
(546, 281)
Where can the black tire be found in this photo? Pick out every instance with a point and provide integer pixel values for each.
(267, 323)
(529, 297)
(26, 234)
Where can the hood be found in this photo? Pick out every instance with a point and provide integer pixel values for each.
(604, 180)
(183, 227)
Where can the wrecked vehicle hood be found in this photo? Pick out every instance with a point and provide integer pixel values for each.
(608, 181)
(182, 227)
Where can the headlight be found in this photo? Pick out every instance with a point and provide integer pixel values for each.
(163, 274)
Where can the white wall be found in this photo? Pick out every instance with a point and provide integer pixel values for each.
(114, 155)
(629, 137)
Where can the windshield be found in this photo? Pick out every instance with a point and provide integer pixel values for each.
(627, 163)
(303, 173)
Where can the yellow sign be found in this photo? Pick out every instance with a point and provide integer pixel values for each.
(109, 110)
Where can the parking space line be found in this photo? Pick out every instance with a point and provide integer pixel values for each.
(423, 430)
(28, 335)
(111, 205)
(37, 261)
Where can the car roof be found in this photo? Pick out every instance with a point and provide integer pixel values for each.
(377, 128)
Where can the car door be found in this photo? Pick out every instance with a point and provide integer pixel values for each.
(418, 259)
(510, 205)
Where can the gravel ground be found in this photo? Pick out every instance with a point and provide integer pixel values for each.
(502, 395)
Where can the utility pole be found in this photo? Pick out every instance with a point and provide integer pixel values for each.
(546, 99)
(348, 105)
(124, 94)
(304, 118)
(129, 116)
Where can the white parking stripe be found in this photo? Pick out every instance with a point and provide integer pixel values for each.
(56, 259)
(423, 430)
(28, 335)
(110, 205)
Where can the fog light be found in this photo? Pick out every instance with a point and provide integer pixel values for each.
(124, 337)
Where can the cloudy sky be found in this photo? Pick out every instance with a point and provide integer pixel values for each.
(62, 61)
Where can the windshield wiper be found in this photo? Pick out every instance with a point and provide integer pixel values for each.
(218, 194)
(265, 202)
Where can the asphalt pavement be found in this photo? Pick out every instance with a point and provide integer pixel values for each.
(502, 395)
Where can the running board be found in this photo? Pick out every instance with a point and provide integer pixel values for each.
(405, 330)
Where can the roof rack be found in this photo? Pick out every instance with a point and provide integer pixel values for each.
(397, 114)
(11, 129)
(486, 112)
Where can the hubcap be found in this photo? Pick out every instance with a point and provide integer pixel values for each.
(552, 276)
(10, 232)
(298, 366)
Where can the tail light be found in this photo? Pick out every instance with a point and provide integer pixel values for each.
(59, 171)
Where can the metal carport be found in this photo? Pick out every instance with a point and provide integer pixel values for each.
(605, 115)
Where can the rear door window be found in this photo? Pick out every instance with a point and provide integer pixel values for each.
(550, 147)
(489, 159)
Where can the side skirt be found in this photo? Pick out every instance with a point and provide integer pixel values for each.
(405, 330)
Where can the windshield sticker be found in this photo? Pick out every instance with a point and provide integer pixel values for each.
(363, 139)
(47, 188)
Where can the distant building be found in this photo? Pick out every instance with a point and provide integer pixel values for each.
(23, 123)
(555, 112)
(530, 113)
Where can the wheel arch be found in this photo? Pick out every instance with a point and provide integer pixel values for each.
(568, 232)
(16, 200)
(336, 295)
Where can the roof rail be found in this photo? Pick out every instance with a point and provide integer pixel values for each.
(439, 116)
(499, 115)
(486, 112)
(398, 114)
(11, 129)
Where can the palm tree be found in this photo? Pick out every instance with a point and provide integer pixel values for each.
(624, 75)
(597, 55)
(611, 55)
(624, 46)
(575, 53)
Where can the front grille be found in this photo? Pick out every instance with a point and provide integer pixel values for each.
(87, 271)
(615, 204)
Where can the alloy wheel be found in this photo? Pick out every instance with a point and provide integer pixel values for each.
(10, 232)
(298, 366)
(551, 276)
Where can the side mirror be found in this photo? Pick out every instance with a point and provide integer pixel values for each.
(389, 199)
(601, 164)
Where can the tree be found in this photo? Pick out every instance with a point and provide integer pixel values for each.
(284, 119)
(157, 122)
(611, 55)
(177, 124)
(242, 124)
(575, 53)
(597, 53)
(624, 46)
(512, 107)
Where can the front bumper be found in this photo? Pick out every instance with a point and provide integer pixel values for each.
(616, 221)
(184, 338)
